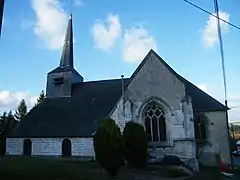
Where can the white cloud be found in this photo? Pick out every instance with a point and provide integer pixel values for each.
(203, 87)
(105, 33)
(78, 2)
(10, 100)
(234, 104)
(136, 44)
(210, 35)
(51, 20)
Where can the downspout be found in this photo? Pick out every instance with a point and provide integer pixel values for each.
(123, 97)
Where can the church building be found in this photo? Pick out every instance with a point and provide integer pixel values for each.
(179, 118)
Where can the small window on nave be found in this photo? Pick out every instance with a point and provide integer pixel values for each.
(155, 122)
(200, 125)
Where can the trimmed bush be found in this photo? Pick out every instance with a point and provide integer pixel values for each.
(135, 144)
(170, 160)
(108, 146)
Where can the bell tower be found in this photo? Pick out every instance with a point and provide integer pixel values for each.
(60, 80)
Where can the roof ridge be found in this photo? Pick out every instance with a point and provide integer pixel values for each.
(104, 80)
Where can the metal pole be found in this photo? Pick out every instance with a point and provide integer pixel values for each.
(123, 95)
(1, 14)
(224, 75)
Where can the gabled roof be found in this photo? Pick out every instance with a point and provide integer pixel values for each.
(201, 101)
(80, 115)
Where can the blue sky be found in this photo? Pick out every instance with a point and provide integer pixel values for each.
(111, 38)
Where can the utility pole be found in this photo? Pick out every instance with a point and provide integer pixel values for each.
(224, 75)
(1, 14)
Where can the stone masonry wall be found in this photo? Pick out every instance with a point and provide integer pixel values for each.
(156, 82)
(51, 146)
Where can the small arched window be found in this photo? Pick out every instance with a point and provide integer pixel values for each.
(155, 123)
(200, 125)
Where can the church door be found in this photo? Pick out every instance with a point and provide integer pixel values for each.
(66, 147)
(27, 147)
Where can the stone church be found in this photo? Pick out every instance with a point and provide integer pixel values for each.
(179, 118)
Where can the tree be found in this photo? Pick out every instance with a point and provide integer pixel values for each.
(8, 123)
(135, 140)
(40, 98)
(21, 110)
(108, 146)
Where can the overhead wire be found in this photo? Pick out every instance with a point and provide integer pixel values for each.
(200, 8)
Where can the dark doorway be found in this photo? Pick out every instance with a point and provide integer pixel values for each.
(66, 147)
(2, 145)
(27, 147)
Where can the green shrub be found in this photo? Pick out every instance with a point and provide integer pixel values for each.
(108, 146)
(170, 160)
(135, 144)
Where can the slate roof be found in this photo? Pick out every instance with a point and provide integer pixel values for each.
(201, 101)
(63, 69)
(67, 52)
(77, 116)
(80, 115)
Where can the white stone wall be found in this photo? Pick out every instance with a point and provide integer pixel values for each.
(51, 146)
(14, 146)
(156, 82)
(218, 135)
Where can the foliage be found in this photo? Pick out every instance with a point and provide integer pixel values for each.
(40, 98)
(170, 160)
(135, 144)
(7, 124)
(108, 146)
(21, 110)
(234, 128)
(232, 142)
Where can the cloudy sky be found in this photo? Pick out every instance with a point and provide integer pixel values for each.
(111, 38)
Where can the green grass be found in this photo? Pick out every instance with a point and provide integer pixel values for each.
(39, 169)
(33, 168)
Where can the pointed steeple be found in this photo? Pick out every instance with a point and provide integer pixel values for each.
(60, 80)
(67, 52)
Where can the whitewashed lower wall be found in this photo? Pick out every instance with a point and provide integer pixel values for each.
(51, 146)
(14, 146)
(82, 147)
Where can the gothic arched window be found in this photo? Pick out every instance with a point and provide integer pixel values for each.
(155, 122)
(200, 125)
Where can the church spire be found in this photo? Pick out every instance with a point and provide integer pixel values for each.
(67, 52)
(60, 80)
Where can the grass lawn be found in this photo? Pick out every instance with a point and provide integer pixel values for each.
(38, 169)
(16, 167)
